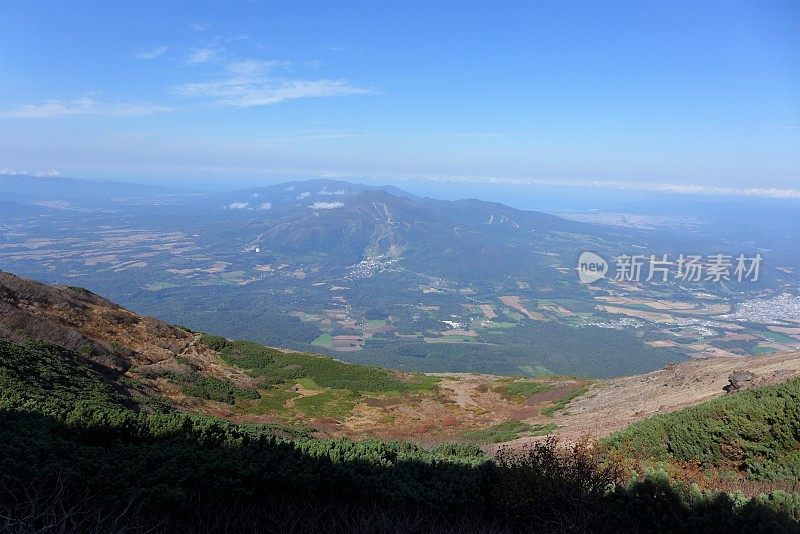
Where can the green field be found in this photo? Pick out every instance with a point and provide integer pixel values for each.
(780, 338)
(562, 403)
(117, 460)
(323, 340)
(157, 286)
(761, 349)
(450, 339)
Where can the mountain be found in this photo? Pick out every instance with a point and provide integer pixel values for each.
(451, 240)
(58, 190)
(331, 226)
(375, 275)
(112, 421)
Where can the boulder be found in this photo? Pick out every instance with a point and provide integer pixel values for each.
(740, 380)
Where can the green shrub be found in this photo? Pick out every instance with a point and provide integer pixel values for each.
(561, 403)
(525, 388)
(758, 430)
(276, 366)
(507, 431)
(217, 343)
(202, 386)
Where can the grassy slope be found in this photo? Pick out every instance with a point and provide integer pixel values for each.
(332, 388)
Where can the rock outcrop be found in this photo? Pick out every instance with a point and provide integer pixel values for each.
(740, 380)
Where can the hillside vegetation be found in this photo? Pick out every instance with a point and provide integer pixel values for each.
(753, 433)
(274, 367)
(84, 451)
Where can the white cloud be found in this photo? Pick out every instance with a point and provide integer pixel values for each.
(82, 106)
(248, 82)
(326, 205)
(251, 82)
(152, 53)
(265, 206)
(238, 206)
(52, 173)
(325, 192)
(768, 192)
(304, 194)
(248, 92)
(202, 55)
(255, 195)
(199, 27)
(251, 67)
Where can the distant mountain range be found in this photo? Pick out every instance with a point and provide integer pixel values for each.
(374, 274)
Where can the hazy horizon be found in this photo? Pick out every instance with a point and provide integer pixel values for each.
(658, 98)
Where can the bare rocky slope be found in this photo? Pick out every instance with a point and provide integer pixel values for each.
(612, 405)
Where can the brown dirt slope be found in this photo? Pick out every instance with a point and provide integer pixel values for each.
(612, 405)
(86, 323)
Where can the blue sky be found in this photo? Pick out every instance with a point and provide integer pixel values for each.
(682, 96)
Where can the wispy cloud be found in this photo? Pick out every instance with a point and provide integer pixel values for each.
(82, 106)
(782, 126)
(253, 67)
(673, 188)
(344, 48)
(252, 92)
(199, 26)
(238, 82)
(151, 53)
(51, 173)
(246, 206)
(694, 189)
(203, 55)
(248, 82)
(480, 135)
